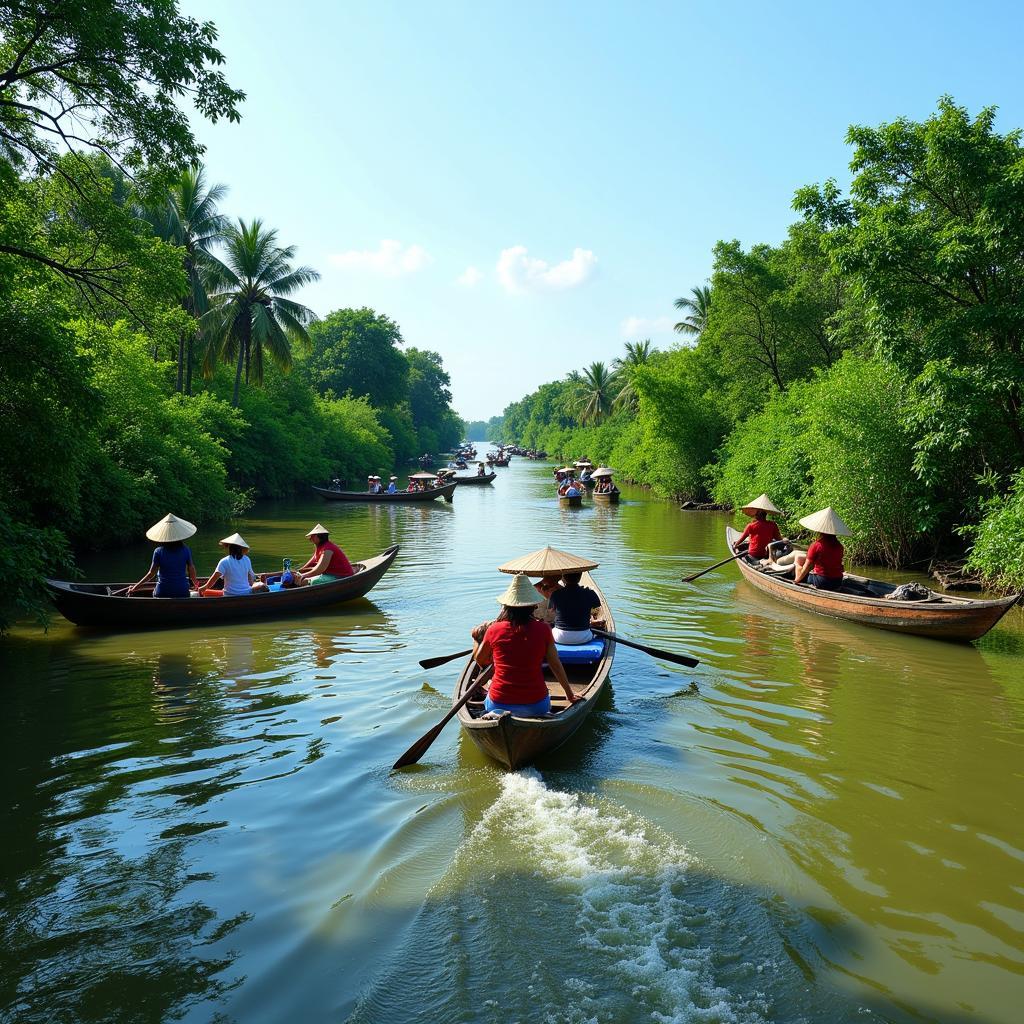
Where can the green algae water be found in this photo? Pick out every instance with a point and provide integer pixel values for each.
(202, 825)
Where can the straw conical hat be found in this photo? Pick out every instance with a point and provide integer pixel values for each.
(548, 562)
(826, 521)
(423, 476)
(601, 471)
(319, 528)
(584, 462)
(169, 529)
(762, 503)
(235, 538)
(520, 593)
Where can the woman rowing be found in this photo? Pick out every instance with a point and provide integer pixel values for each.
(822, 566)
(172, 560)
(235, 570)
(761, 531)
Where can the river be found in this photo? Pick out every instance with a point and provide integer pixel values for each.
(820, 823)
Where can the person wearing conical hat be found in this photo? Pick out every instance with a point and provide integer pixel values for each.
(517, 644)
(822, 566)
(235, 570)
(172, 560)
(328, 562)
(393, 485)
(481, 469)
(761, 531)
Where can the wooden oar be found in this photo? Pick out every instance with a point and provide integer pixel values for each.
(422, 745)
(724, 561)
(444, 659)
(654, 652)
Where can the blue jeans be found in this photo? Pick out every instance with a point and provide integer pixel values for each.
(538, 710)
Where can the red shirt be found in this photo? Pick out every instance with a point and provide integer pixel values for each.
(339, 565)
(826, 558)
(760, 533)
(518, 653)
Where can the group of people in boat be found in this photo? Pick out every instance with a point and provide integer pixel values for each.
(375, 485)
(821, 565)
(175, 571)
(570, 486)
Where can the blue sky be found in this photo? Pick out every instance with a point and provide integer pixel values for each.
(524, 187)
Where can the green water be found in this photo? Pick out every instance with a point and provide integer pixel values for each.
(202, 824)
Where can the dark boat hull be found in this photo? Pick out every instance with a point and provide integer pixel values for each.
(400, 498)
(475, 481)
(576, 501)
(948, 618)
(98, 605)
(516, 742)
(606, 498)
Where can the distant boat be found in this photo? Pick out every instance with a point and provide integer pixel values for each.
(399, 497)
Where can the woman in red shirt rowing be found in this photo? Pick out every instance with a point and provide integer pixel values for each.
(822, 566)
(329, 562)
(517, 645)
(762, 531)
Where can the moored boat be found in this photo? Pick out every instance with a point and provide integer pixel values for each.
(384, 498)
(515, 741)
(107, 605)
(465, 481)
(863, 600)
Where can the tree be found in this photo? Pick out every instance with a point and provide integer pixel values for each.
(697, 309)
(355, 351)
(249, 309)
(430, 399)
(189, 219)
(638, 353)
(103, 76)
(594, 394)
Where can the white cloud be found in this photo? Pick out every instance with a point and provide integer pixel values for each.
(520, 273)
(389, 259)
(469, 277)
(642, 326)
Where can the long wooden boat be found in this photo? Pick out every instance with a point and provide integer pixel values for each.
(108, 606)
(942, 616)
(400, 497)
(514, 741)
(497, 462)
(478, 481)
(605, 497)
(570, 501)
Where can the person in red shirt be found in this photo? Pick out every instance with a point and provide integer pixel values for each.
(517, 645)
(822, 566)
(762, 531)
(328, 563)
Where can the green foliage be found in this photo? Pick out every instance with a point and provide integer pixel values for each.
(997, 550)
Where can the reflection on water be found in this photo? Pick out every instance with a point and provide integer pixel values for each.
(200, 824)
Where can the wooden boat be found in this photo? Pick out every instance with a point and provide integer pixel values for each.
(497, 462)
(477, 481)
(570, 501)
(108, 606)
(942, 616)
(606, 497)
(514, 741)
(400, 497)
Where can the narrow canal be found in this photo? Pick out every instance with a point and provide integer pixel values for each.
(821, 822)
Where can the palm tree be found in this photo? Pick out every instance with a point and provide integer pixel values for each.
(594, 388)
(249, 311)
(638, 353)
(189, 219)
(698, 308)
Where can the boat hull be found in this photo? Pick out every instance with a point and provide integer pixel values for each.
(576, 501)
(948, 618)
(605, 498)
(98, 605)
(516, 742)
(475, 481)
(399, 498)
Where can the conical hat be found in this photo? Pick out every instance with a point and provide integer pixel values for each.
(169, 529)
(601, 471)
(826, 521)
(762, 503)
(237, 539)
(319, 528)
(584, 462)
(548, 562)
(423, 476)
(520, 593)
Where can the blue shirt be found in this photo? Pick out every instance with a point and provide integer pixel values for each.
(172, 571)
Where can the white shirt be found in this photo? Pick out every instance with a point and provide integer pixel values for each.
(236, 575)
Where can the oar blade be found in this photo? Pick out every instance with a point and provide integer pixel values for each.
(444, 659)
(419, 748)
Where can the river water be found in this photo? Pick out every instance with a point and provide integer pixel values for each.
(820, 823)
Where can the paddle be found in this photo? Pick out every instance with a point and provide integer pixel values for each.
(654, 652)
(422, 745)
(444, 659)
(724, 561)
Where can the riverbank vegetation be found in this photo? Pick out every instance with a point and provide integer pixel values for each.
(873, 360)
(152, 354)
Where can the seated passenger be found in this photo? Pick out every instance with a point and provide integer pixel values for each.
(235, 570)
(546, 586)
(172, 560)
(328, 563)
(370, 484)
(574, 607)
(822, 566)
(393, 485)
(572, 491)
(761, 532)
(517, 645)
